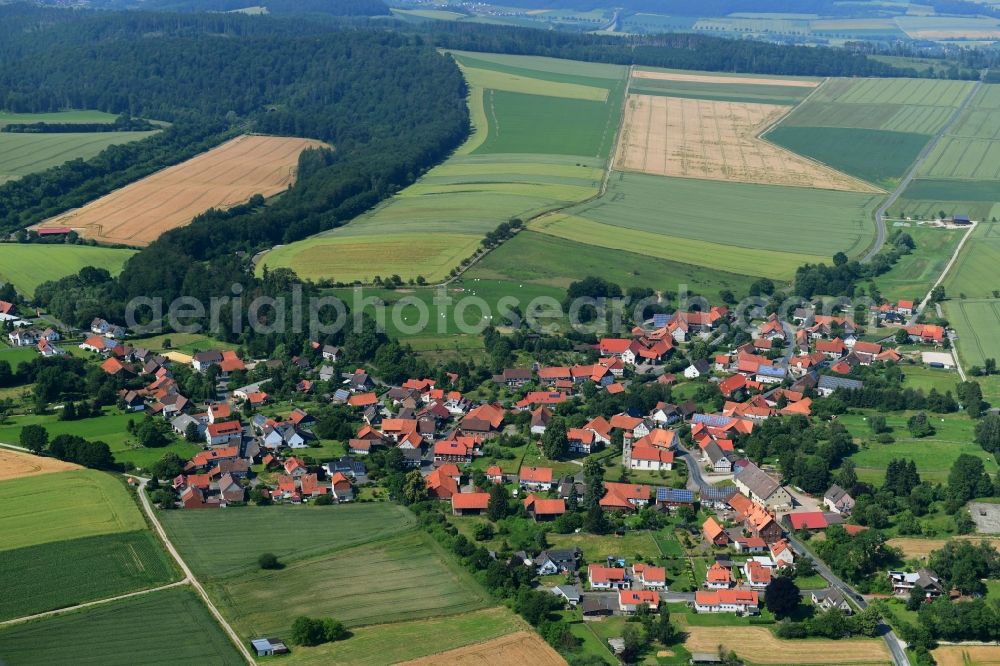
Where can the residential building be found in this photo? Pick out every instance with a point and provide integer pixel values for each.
(741, 602)
(838, 500)
(630, 600)
(753, 482)
(926, 579)
(649, 576)
(606, 578)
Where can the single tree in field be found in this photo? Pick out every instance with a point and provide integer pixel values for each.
(781, 596)
(268, 561)
(34, 438)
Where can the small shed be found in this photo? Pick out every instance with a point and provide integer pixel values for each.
(267, 647)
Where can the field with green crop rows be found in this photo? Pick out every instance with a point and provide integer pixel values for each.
(768, 221)
(753, 94)
(66, 505)
(913, 275)
(976, 322)
(112, 429)
(933, 455)
(170, 626)
(974, 273)
(21, 154)
(400, 578)
(973, 305)
(28, 265)
(522, 160)
(870, 128)
(213, 543)
(64, 573)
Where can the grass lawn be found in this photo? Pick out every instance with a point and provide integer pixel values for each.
(214, 543)
(399, 578)
(920, 377)
(64, 505)
(596, 549)
(80, 570)
(187, 343)
(933, 455)
(16, 355)
(140, 630)
(111, 428)
(814, 582)
(402, 641)
(560, 468)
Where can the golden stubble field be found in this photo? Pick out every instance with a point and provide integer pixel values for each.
(717, 140)
(223, 177)
(962, 655)
(15, 465)
(758, 645)
(521, 647)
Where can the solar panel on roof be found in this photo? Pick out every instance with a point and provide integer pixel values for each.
(660, 320)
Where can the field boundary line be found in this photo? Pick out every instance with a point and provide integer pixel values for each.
(189, 576)
(89, 604)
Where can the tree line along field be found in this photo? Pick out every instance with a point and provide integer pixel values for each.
(28, 265)
(522, 159)
(139, 213)
(21, 154)
(870, 128)
(166, 625)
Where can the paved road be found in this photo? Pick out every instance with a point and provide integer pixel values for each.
(912, 173)
(888, 635)
(188, 575)
(695, 479)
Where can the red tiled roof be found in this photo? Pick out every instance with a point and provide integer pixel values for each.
(536, 474)
(470, 501)
(718, 597)
(635, 597)
(598, 574)
(809, 520)
(224, 428)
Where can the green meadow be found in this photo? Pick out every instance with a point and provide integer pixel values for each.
(522, 160)
(933, 455)
(912, 276)
(166, 626)
(973, 305)
(976, 322)
(28, 265)
(65, 505)
(974, 272)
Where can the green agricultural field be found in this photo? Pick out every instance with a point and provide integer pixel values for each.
(971, 148)
(8, 118)
(973, 274)
(877, 156)
(914, 274)
(751, 94)
(522, 160)
(166, 626)
(21, 154)
(80, 570)
(924, 378)
(545, 259)
(404, 577)
(402, 641)
(976, 322)
(65, 505)
(110, 429)
(933, 455)
(214, 544)
(28, 265)
(767, 220)
(899, 93)
(15, 356)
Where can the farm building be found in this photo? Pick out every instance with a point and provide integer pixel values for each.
(267, 647)
(943, 360)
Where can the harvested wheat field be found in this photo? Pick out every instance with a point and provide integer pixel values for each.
(717, 140)
(921, 548)
(758, 645)
(710, 78)
(521, 647)
(225, 176)
(965, 655)
(15, 465)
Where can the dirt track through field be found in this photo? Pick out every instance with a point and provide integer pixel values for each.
(758, 645)
(225, 176)
(521, 647)
(14, 465)
(708, 78)
(717, 140)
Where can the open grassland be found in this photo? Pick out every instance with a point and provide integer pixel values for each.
(213, 543)
(913, 275)
(523, 159)
(166, 626)
(225, 176)
(967, 655)
(393, 643)
(400, 578)
(973, 308)
(914, 547)
(28, 265)
(67, 505)
(24, 153)
(759, 646)
(716, 140)
(548, 259)
(111, 428)
(933, 455)
(522, 647)
(976, 322)
(65, 573)
(17, 465)
(770, 219)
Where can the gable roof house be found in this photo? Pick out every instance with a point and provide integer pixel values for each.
(838, 500)
(544, 509)
(217, 434)
(469, 504)
(630, 600)
(513, 377)
(926, 579)
(549, 562)
(718, 577)
(540, 418)
(485, 420)
(753, 482)
(714, 533)
(535, 478)
(741, 602)
(606, 578)
(625, 496)
(649, 576)
(830, 598)
(828, 384)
